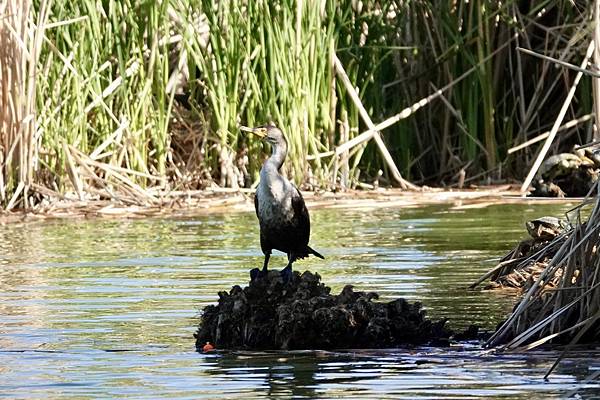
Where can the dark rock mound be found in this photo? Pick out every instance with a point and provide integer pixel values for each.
(303, 314)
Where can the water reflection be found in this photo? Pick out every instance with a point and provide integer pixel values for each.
(406, 373)
(108, 308)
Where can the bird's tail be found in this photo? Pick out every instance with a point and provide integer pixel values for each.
(314, 252)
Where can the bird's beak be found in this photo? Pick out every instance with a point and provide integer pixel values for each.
(260, 132)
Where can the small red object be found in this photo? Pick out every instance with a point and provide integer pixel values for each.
(208, 347)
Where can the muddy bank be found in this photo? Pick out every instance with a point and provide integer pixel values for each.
(303, 314)
(221, 200)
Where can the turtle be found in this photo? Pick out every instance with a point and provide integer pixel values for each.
(545, 228)
(546, 189)
(592, 155)
(559, 165)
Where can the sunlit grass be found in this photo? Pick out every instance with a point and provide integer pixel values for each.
(91, 107)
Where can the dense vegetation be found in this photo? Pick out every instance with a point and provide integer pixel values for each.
(108, 98)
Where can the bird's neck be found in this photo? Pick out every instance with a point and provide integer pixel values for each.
(277, 157)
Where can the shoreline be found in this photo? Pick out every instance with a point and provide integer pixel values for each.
(218, 200)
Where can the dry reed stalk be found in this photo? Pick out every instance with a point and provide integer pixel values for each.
(408, 111)
(459, 121)
(573, 307)
(113, 86)
(596, 79)
(13, 30)
(15, 196)
(542, 136)
(73, 173)
(339, 68)
(139, 195)
(583, 70)
(558, 121)
(118, 194)
(88, 160)
(20, 45)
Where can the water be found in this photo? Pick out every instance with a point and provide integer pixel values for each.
(107, 309)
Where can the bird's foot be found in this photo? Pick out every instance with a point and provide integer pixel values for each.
(256, 273)
(286, 274)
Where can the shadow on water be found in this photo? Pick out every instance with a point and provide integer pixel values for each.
(108, 308)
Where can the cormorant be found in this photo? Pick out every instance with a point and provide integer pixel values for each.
(282, 214)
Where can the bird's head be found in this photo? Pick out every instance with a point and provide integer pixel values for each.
(269, 133)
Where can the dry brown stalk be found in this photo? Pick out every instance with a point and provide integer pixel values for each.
(114, 85)
(15, 196)
(583, 70)
(114, 138)
(460, 122)
(20, 44)
(574, 305)
(13, 25)
(542, 136)
(558, 122)
(108, 192)
(136, 193)
(72, 172)
(596, 79)
(407, 112)
(87, 159)
(339, 68)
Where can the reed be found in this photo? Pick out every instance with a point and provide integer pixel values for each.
(562, 304)
(99, 79)
(87, 75)
(266, 61)
(20, 45)
(104, 88)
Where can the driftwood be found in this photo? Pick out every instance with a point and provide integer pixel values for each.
(561, 115)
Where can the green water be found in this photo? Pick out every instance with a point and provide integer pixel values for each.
(107, 309)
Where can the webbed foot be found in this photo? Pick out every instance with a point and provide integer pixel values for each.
(256, 273)
(286, 274)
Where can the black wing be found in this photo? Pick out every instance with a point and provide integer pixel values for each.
(301, 218)
(256, 203)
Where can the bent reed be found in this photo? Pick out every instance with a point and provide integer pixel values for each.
(104, 100)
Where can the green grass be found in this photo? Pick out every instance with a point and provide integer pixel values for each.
(105, 72)
(105, 81)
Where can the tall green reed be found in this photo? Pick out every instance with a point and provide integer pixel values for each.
(507, 98)
(104, 84)
(267, 61)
